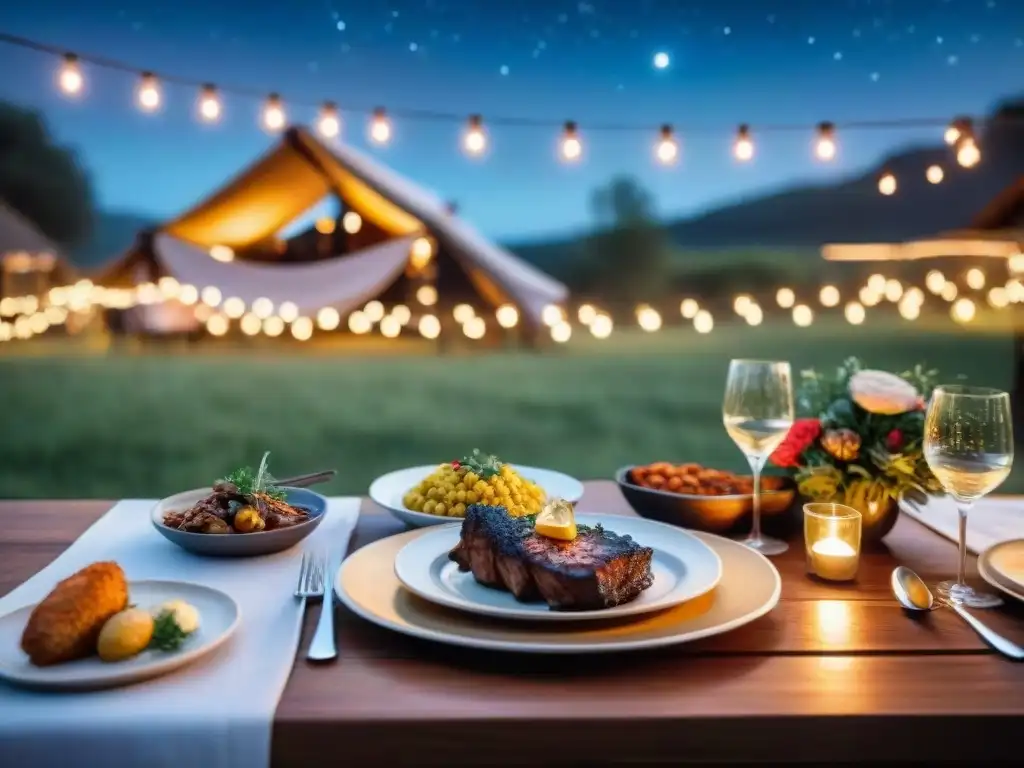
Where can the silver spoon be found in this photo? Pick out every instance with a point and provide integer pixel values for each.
(913, 594)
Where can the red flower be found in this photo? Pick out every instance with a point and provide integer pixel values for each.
(800, 436)
(894, 441)
(456, 464)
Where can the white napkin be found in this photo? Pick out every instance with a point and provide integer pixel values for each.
(216, 712)
(992, 519)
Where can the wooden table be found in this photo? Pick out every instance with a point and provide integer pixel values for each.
(833, 673)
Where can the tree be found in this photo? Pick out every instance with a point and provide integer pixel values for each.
(41, 179)
(628, 257)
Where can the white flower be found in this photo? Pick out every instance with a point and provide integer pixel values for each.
(883, 393)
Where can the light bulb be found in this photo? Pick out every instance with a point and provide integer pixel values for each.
(975, 279)
(380, 127)
(273, 113)
(420, 253)
(887, 184)
(785, 298)
(935, 174)
(70, 77)
(743, 147)
(829, 296)
(571, 146)
(329, 123)
(328, 318)
(429, 327)
(601, 327)
(666, 150)
(149, 92)
(825, 145)
(967, 154)
(507, 316)
(854, 313)
(475, 140)
(351, 222)
(209, 104)
(426, 295)
(952, 134)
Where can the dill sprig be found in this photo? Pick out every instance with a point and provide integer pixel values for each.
(261, 481)
(167, 633)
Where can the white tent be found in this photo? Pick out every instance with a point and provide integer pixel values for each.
(280, 186)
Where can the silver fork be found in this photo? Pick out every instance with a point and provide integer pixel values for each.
(312, 578)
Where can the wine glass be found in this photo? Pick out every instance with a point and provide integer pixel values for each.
(758, 412)
(968, 444)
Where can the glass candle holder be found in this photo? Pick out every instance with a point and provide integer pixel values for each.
(832, 540)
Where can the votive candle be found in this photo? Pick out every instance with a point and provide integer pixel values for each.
(832, 540)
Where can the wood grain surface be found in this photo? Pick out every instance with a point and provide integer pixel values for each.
(834, 673)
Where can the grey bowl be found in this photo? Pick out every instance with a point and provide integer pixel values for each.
(240, 544)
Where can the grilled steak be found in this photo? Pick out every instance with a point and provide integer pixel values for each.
(598, 569)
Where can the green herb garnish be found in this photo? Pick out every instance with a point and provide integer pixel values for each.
(481, 465)
(167, 634)
(261, 481)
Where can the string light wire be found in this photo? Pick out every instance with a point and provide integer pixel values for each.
(248, 92)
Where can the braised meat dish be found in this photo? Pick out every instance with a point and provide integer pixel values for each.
(598, 569)
(244, 502)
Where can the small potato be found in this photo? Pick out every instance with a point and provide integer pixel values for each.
(125, 634)
(248, 520)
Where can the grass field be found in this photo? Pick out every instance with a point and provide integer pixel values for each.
(149, 425)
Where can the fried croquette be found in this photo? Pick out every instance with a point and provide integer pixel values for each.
(66, 624)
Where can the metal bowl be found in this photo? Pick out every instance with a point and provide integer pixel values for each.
(240, 544)
(715, 514)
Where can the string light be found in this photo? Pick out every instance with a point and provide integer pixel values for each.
(893, 290)
(233, 307)
(571, 147)
(998, 297)
(743, 147)
(71, 82)
(426, 295)
(474, 328)
(561, 333)
(210, 296)
(887, 184)
(250, 325)
(328, 319)
(825, 145)
(288, 311)
(689, 308)
(209, 104)
(601, 327)
(741, 304)
(854, 313)
(934, 281)
(802, 315)
(550, 315)
(949, 291)
(380, 127)
(975, 279)
(754, 315)
(935, 174)
(390, 327)
(273, 113)
(374, 310)
(648, 319)
(429, 327)
(909, 310)
(69, 77)
(785, 298)
(329, 122)
(421, 253)
(586, 314)
(351, 222)
(829, 296)
(475, 140)
(302, 328)
(262, 308)
(149, 92)
(222, 253)
(963, 310)
(666, 150)
(359, 323)
(967, 154)
(463, 313)
(877, 283)
(703, 322)
(401, 313)
(507, 316)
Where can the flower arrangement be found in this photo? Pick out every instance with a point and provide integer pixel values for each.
(860, 442)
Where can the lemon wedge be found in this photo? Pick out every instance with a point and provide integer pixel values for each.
(556, 521)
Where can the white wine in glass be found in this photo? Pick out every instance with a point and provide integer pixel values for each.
(758, 412)
(968, 444)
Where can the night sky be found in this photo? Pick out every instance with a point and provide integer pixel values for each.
(729, 62)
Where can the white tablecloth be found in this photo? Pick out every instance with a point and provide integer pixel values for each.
(217, 712)
(990, 521)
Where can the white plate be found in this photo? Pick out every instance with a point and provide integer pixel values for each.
(683, 566)
(388, 490)
(750, 587)
(219, 616)
(1002, 566)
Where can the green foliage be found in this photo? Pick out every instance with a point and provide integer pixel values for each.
(629, 257)
(167, 634)
(249, 482)
(42, 180)
(484, 466)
